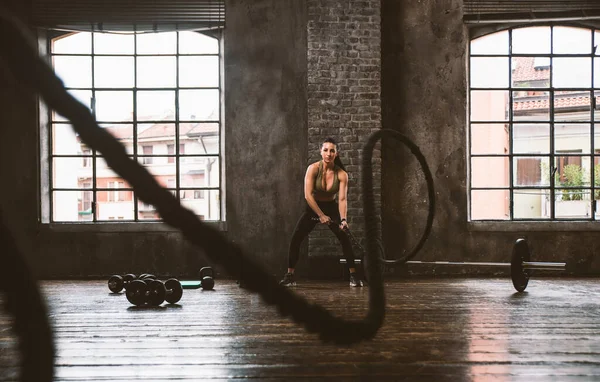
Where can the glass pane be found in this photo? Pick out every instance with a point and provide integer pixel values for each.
(531, 171)
(531, 204)
(530, 72)
(197, 43)
(70, 172)
(157, 43)
(199, 105)
(199, 172)
(596, 178)
(489, 138)
(114, 205)
(534, 40)
(531, 106)
(489, 172)
(156, 105)
(204, 203)
(156, 72)
(74, 71)
(202, 71)
(572, 106)
(572, 40)
(597, 139)
(489, 105)
(71, 206)
(80, 43)
(114, 106)
(572, 171)
(156, 138)
(83, 96)
(572, 72)
(489, 72)
(113, 43)
(573, 204)
(572, 137)
(163, 170)
(597, 72)
(147, 211)
(113, 72)
(123, 133)
(105, 176)
(531, 138)
(64, 140)
(490, 204)
(200, 138)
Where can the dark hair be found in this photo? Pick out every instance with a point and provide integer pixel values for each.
(337, 161)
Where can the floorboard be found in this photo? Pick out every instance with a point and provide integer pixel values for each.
(436, 329)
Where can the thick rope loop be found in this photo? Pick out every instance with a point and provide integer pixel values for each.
(21, 57)
(372, 233)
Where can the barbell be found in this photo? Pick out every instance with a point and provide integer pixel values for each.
(520, 264)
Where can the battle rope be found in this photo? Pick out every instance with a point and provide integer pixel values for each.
(24, 302)
(27, 67)
(20, 55)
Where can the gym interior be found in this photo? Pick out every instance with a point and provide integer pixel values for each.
(467, 128)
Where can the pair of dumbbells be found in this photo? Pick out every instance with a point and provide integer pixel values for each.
(153, 292)
(116, 283)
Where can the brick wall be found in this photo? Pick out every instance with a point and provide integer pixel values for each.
(344, 96)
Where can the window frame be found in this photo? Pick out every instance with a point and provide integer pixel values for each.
(44, 39)
(510, 224)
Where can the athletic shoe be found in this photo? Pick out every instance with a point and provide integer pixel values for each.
(355, 281)
(288, 280)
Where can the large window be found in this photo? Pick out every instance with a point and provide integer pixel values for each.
(534, 124)
(159, 95)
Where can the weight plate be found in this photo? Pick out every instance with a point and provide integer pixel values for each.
(129, 277)
(115, 283)
(174, 291)
(136, 292)
(208, 283)
(206, 271)
(156, 292)
(519, 276)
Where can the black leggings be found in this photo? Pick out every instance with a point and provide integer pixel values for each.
(307, 223)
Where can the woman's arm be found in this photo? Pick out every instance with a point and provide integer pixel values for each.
(342, 201)
(309, 186)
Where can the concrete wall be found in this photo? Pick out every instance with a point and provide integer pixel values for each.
(265, 131)
(424, 56)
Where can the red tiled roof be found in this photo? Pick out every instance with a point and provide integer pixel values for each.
(561, 101)
(524, 70)
(162, 130)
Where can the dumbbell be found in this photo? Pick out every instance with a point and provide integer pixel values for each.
(153, 292)
(207, 278)
(117, 282)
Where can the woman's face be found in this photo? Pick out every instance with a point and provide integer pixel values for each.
(328, 152)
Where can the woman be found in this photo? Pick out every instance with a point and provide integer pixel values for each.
(323, 181)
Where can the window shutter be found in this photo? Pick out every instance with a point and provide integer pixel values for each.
(128, 15)
(489, 11)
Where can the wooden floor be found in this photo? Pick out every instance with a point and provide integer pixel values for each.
(443, 329)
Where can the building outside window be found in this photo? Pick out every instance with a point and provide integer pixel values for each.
(534, 139)
(159, 95)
